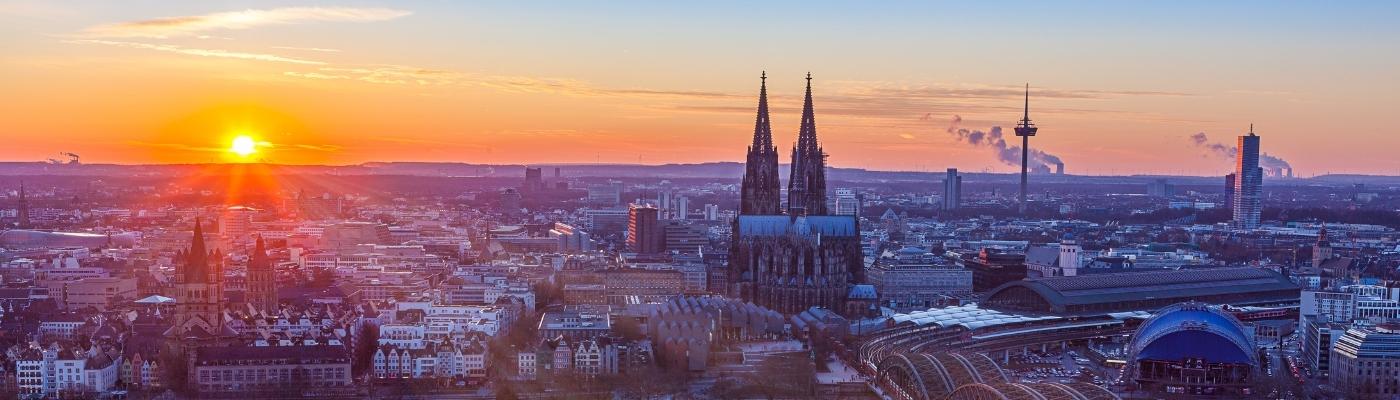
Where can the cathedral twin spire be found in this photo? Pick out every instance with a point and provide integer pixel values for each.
(807, 180)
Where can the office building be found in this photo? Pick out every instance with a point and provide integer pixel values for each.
(1160, 188)
(644, 233)
(711, 212)
(952, 190)
(605, 195)
(1249, 182)
(534, 180)
(846, 202)
(1365, 362)
(683, 237)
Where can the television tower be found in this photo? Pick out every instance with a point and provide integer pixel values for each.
(1025, 130)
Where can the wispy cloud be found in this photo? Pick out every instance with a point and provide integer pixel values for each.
(234, 20)
(383, 74)
(198, 51)
(316, 49)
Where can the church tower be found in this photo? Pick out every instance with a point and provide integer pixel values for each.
(22, 213)
(807, 182)
(262, 281)
(759, 193)
(199, 290)
(1322, 250)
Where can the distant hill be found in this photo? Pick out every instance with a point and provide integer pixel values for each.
(713, 170)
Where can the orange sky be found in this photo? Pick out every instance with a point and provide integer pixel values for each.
(1113, 93)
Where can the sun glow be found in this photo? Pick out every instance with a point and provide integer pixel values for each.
(243, 145)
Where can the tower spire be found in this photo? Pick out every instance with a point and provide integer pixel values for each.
(22, 211)
(1025, 129)
(197, 260)
(807, 181)
(1026, 118)
(760, 190)
(763, 128)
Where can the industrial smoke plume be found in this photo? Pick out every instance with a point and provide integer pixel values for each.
(1040, 161)
(1272, 166)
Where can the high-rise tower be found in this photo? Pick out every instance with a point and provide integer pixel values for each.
(760, 190)
(1025, 129)
(807, 182)
(952, 190)
(1249, 182)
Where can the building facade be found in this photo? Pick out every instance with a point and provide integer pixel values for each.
(1365, 362)
(790, 260)
(1249, 182)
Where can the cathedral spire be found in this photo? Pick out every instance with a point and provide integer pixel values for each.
(807, 181)
(762, 128)
(761, 190)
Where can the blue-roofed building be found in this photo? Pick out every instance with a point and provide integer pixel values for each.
(792, 258)
(1193, 349)
(791, 263)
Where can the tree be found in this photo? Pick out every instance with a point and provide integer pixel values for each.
(366, 344)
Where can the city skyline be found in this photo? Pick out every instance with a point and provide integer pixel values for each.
(139, 83)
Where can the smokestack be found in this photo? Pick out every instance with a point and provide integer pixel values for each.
(1059, 169)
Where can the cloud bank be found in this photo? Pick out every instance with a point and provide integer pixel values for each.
(236, 20)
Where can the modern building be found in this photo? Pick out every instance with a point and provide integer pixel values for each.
(682, 237)
(236, 221)
(793, 259)
(1160, 188)
(254, 369)
(576, 322)
(345, 237)
(606, 195)
(952, 190)
(571, 238)
(644, 234)
(1192, 349)
(992, 268)
(915, 280)
(1318, 337)
(846, 202)
(1365, 362)
(534, 180)
(1249, 182)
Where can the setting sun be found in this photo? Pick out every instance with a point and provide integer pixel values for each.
(243, 145)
